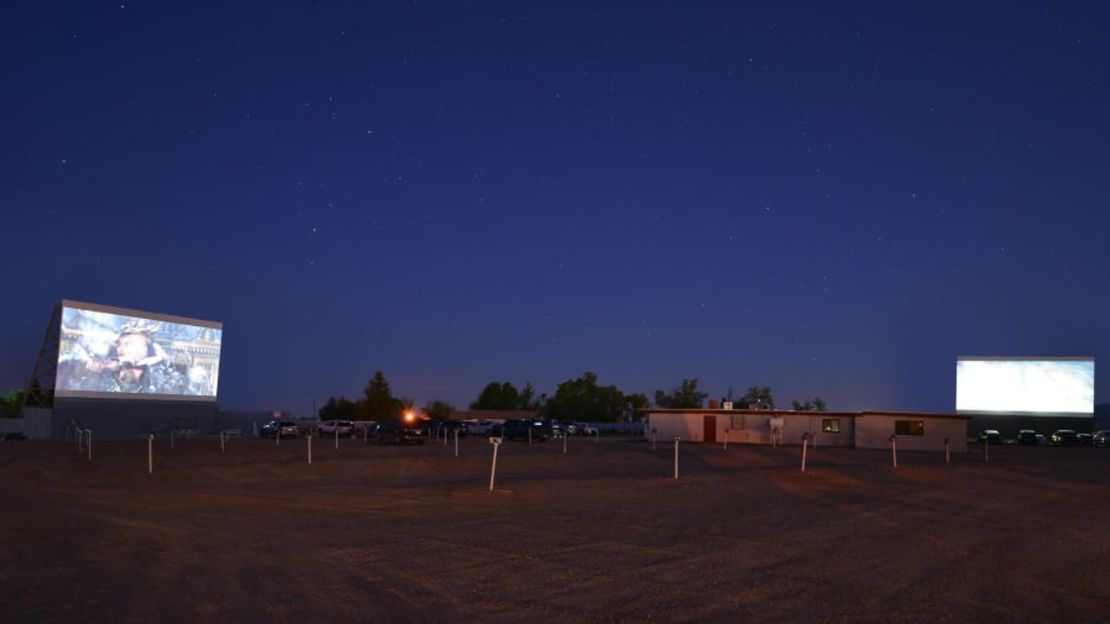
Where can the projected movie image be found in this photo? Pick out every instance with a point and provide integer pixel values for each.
(1038, 387)
(102, 353)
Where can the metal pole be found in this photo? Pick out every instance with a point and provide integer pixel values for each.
(309, 437)
(564, 441)
(894, 450)
(223, 449)
(337, 437)
(676, 458)
(493, 468)
(805, 446)
(150, 453)
(89, 443)
(456, 443)
(947, 457)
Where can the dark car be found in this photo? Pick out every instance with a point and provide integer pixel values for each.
(990, 436)
(526, 430)
(1027, 437)
(456, 425)
(402, 430)
(283, 428)
(1084, 439)
(1063, 437)
(1102, 437)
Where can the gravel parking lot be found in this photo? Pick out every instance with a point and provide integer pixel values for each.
(601, 534)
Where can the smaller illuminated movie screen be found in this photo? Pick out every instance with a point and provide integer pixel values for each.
(118, 353)
(1027, 386)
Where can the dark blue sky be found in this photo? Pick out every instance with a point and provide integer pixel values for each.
(830, 200)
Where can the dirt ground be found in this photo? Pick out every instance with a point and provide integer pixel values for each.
(601, 534)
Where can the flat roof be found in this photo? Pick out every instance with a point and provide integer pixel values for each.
(715, 411)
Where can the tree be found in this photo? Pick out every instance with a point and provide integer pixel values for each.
(816, 404)
(378, 402)
(497, 396)
(758, 397)
(438, 409)
(527, 400)
(339, 408)
(686, 396)
(584, 399)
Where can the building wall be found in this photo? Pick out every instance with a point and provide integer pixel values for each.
(751, 426)
(119, 418)
(873, 431)
(861, 430)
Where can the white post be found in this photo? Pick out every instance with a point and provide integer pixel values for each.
(337, 438)
(150, 453)
(223, 448)
(309, 438)
(496, 442)
(80, 435)
(445, 435)
(894, 450)
(947, 457)
(564, 441)
(805, 446)
(456, 442)
(676, 458)
(726, 438)
(597, 436)
(89, 443)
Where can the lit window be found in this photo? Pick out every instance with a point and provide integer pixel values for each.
(909, 427)
(830, 425)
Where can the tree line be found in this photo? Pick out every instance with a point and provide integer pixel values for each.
(582, 398)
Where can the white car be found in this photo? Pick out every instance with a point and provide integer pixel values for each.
(344, 428)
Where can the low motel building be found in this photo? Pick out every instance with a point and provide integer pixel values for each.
(863, 430)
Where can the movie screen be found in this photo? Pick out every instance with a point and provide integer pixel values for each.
(1047, 387)
(104, 353)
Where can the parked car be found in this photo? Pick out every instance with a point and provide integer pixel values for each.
(1102, 437)
(1042, 440)
(1027, 437)
(581, 429)
(1084, 439)
(344, 428)
(1063, 437)
(456, 425)
(283, 428)
(480, 427)
(526, 430)
(402, 430)
(990, 436)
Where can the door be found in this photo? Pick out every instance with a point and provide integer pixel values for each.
(709, 433)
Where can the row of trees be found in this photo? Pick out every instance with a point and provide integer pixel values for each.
(582, 398)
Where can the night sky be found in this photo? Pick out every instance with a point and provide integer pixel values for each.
(829, 200)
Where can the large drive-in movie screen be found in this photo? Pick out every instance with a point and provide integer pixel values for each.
(1042, 387)
(117, 353)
